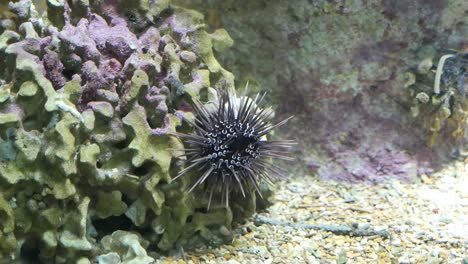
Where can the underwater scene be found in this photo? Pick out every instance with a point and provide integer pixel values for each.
(233, 131)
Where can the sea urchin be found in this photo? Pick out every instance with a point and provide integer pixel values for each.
(229, 148)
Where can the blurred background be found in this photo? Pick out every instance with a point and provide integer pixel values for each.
(347, 69)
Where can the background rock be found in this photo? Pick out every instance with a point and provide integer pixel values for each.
(339, 67)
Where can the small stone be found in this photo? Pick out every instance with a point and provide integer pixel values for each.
(396, 242)
(188, 56)
(425, 179)
(364, 226)
(443, 255)
(444, 220)
(328, 246)
(420, 234)
(435, 252)
(425, 66)
(223, 230)
(423, 97)
(364, 241)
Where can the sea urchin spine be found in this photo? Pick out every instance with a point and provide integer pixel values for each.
(229, 147)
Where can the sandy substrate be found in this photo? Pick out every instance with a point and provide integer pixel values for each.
(314, 221)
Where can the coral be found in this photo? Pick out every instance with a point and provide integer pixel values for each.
(90, 95)
(439, 98)
(130, 246)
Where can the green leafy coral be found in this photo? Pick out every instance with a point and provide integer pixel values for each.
(89, 97)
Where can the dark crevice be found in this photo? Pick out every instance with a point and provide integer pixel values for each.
(155, 121)
(143, 170)
(30, 251)
(202, 210)
(110, 224)
(140, 171)
(153, 247)
(121, 144)
(68, 74)
(126, 199)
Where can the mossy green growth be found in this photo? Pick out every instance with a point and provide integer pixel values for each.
(8, 118)
(110, 204)
(124, 247)
(147, 146)
(8, 224)
(4, 94)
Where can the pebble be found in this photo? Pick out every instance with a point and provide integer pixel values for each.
(364, 226)
(435, 252)
(188, 56)
(224, 231)
(396, 242)
(417, 234)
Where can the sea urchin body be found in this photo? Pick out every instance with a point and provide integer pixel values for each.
(229, 148)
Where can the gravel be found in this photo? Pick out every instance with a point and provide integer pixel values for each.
(426, 222)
